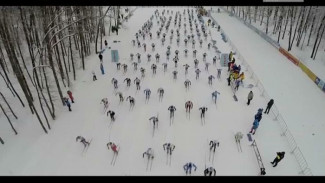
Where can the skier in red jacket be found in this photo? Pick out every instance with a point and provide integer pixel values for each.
(70, 95)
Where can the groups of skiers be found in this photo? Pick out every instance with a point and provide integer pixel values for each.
(235, 76)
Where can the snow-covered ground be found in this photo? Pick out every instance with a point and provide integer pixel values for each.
(300, 101)
(57, 153)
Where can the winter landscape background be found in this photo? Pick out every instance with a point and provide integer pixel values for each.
(298, 109)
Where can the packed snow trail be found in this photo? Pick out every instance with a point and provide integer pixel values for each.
(59, 154)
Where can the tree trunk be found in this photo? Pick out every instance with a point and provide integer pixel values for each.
(12, 87)
(4, 79)
(4, 112)
(287, 20)
(317, 37)
(320, 39)
(304, 27)
(311, 29)
(294, 35)
(4, 99)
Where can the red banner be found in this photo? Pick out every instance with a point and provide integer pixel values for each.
(289, 56)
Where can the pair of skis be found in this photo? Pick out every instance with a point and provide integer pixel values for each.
(238, 145)
(202, 120)
(86, 148)
(171, 121)
(115, 156)
(210, 152)
(149, 164)
(189, 114)
(147, 100)
(169, 159)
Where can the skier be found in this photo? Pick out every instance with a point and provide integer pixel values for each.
(105, 102)
(188, 106)
(213, 144)
(149, 57)
(100, 57)
(113, 147)
(258, 115)
(209, 171)
(175, 75)
(154, 121)
(185, 51)
(214, 60)
(165, 67)
(139, 57)
(125, 68)
(83, 141)
(132, 101)
(163, 40)
(219, 73)
(150, 154)
(94, 76)
(167, 54)
(66, 100)
(70, 96)
(175, 60)
(176, 53)
(120, 96)
(157, 57)
(142, 70)
(137, 82)
(187, 84)
(194, 53)
(114, 81)
(250, 97)
(111, 114)
(214, 94)
(169, 148)
(139, 44)
(201, 43)
(135, 65)
(172, 109)
(196, 62)
(188, 167)
(131, 56)
(278, 158)
(193, 43)
(118, 66)
(203, 110)
(255, 126)
(153, 67)
(105, 42)
(209, 44)
(186, 68)
(210, 79)
(185, 41)
(147, 92)
(204, 56)
(269, 105)
(150, 34)
(197, 71)
(161, 93)
(128, 82)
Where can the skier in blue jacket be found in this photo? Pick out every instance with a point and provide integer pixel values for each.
(188, 167)
(255, 126)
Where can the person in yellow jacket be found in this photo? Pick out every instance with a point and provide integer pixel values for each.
(241, 76)
(230, 56)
